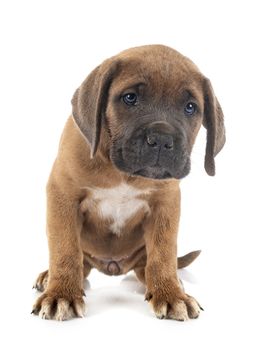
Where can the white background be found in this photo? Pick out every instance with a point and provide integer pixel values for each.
(47, 49)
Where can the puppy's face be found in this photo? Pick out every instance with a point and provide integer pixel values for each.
(154, 111)
(152, 101)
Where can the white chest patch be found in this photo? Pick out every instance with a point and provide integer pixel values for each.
(118, 204)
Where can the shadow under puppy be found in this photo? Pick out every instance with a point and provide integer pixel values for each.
(113, 197)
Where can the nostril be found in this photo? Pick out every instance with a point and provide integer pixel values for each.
(151, 140)
(169, 145)
(168, 142)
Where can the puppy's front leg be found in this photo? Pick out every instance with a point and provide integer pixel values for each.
(63, 297)
(164, 291)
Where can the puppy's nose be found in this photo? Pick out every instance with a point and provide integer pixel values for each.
(157, 140)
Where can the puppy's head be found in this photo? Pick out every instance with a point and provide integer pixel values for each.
(152, 101)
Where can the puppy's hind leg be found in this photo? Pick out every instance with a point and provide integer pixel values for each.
(86, 268)
(140, 273)
(42, 281)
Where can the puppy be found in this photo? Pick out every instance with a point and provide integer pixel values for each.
(113, 196)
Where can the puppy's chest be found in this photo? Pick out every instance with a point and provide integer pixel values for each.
(117, 206)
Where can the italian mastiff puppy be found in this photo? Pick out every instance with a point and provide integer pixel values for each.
(113, 196)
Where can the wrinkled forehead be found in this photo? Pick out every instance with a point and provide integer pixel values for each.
(161, 75)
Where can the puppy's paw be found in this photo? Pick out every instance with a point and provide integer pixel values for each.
(42, 281)
(171, 302)
(56, 306)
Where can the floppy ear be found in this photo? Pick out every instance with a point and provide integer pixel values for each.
(214, 123)
(89, 102)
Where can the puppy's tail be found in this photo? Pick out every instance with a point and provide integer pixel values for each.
(187, 259)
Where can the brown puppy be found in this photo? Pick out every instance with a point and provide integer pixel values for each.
(113, 193)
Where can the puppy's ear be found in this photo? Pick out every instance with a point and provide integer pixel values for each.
(214, 123)
(90, 100)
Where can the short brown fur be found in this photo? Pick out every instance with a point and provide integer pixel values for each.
(79, 236)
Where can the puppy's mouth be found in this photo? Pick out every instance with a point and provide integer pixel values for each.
(153, 173)
(159, 172)
(159, 169)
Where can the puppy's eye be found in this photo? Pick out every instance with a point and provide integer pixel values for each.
(190, 109)
(130, 99)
